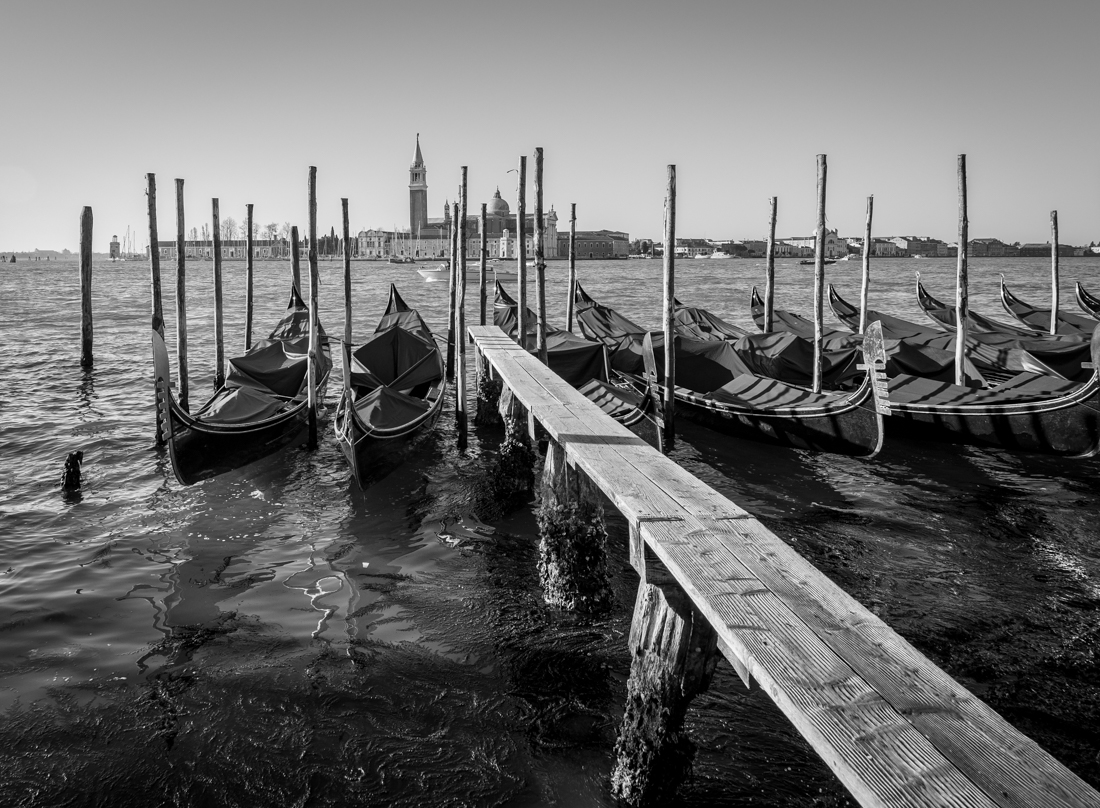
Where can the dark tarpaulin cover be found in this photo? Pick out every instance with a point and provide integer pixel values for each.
(277, 367)
(1023, 388)
(239, 405)
(765, 394)
(702, 324)
(575, 359)
(386, 408)
(701, 365)
(1069, 323)
(389, 354)
(790, 358)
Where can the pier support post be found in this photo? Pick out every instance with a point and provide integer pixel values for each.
(514, 473)
(769, 270)
(572, 538)
(675, 653)
(182, 383)
(488, 394)
(461, 338)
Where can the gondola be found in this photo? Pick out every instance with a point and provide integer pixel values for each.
(581, 362)
(715, 389)
(1031, 412)
(995, 356)
(1089, 305)
(1069, 324)
(393, 388)
(262, 407)
(944, 316)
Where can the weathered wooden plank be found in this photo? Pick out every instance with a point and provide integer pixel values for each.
(895, 728)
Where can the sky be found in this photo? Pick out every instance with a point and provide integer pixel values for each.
(240, 98)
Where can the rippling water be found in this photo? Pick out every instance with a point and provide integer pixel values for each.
(275, 636)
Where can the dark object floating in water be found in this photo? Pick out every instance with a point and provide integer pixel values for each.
(811, 262)
(70, 477)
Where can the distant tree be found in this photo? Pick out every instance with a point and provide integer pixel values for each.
(229, 228)
(206, 232)
(284, 230)
(270, 231)
(194, 234)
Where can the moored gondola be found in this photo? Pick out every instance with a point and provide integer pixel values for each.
(393, 389)
(1069, 324)
(943, 315)
(1088, 303)
(262, 407)
(714, 388)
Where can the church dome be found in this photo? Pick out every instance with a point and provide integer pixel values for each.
(497, 206)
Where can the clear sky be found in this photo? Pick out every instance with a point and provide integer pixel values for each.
(239, 98)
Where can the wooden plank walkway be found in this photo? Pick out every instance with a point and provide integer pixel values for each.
(895, 728)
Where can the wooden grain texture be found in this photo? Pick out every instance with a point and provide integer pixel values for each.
(668, 312)
(866, 284)
(570, 303)
(895, 729)
(540, 262)
(154, 254)
(461, 417)
(482, 279)
(1054, 272)
(295, 259)
(182, 385)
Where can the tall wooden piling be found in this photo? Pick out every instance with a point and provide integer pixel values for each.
(86, 288)
(540, 261)
(482, 280)
(311, 371)
(819, 274)
(452, 293)
(668, 315)
(248, 277)
(182, 385)
(769, 270)
(154, 256)
(345, 353)
(295, 259)
(864, 288)
(570, 302)
(674, 653)
(219, 332)
(521, 254)
(962, 300)
(460, 319)
(1054, 272)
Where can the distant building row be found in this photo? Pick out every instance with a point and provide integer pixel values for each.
(838, 247)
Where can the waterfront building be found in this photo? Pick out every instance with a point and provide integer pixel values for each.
(806, 246)
(232, 249)
(597, 244)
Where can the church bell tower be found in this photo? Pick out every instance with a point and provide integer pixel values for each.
(418, 192)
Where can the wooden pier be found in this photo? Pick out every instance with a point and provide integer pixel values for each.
(894, 728)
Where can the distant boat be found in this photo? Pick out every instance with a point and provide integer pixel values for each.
(401, 259)
(440, 273)
(720, 254)
(12, 261)
(918, 256)
(702, 256)
(809, 262)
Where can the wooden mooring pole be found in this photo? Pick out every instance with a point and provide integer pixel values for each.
(219, 335)
(345, 353)
(154, 256)
(452, 290)
(482, 278)
(248, 277)
(769, 270)
(295, 260)
(182, 384)
(570, 303)
(86, 287)
(540, 262)
(1053, 272)
(311, 370)
(521, 255)
(668, 315)
(819, 273)
(864, 288)
(962, 301)
(460, 319)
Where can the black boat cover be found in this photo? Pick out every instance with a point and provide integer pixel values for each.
(386, 408)
(768, 394)
(277, 367)
(395, 355)
(575, 359)
(1020, 389)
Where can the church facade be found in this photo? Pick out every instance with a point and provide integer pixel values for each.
(429, 238)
